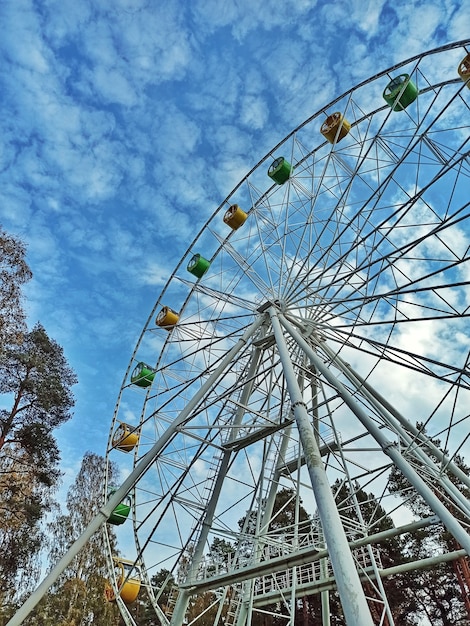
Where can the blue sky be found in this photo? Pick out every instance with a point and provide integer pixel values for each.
(126, 122)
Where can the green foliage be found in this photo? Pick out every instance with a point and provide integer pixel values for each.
(220, 554)
(40, 447)
(84, 498)
(77, 604)
(39, 378)
(202, 608)
(77, 598)
(14, 273)
(284, 511)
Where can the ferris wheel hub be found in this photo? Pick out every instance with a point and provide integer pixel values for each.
(269, 303)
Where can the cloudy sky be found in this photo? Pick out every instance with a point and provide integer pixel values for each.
(126, 122)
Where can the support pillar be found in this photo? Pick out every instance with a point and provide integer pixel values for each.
(350, 590)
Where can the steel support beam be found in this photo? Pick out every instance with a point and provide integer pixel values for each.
(351, 593)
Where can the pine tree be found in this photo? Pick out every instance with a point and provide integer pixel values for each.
(437, 595)
(36, 381)
(220, 553)
(38, 377)
(14, 273)
(161, 583)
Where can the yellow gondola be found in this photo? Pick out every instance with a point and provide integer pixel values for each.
(235, 217)
(125, 437)
(335, 127)
(167, 318)
(127, 580)
(464, 70)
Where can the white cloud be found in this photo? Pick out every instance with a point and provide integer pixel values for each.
(113, 87)
(254, 113)
(243, 17)
(459, 23)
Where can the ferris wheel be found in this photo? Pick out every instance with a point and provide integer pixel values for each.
(311, 345)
